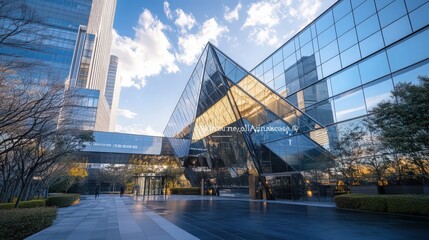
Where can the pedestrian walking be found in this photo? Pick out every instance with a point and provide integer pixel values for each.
(97, 191)
(122, 190)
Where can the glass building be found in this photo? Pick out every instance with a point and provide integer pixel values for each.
(55, 37)
(275, 128)
(113, 91)
(67, 42)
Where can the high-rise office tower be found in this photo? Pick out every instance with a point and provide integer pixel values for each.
(113, 91)
(90, 66)
(55, 29)
(73, 47)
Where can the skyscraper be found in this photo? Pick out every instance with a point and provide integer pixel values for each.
(113, 91)
(55, 32)
(73, 47)
(90, 64)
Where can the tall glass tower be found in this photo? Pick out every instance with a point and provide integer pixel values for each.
(73, 47)
(113, 91)
(56, 31)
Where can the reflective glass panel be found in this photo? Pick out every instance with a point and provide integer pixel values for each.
(400, 55)
(413, 4)
(368, 27)
(350, 56)
(341, 9)
(288, 49)
(268, 76)
(329, 51)
(278, 69)
(324, 22)
(364, 11)
(277, 57)
(292, 87)
(382, 3)
(270, 84)
(371, 44)
(377, 92)
(307, 50)
(279, 81)
(315, 44)
(331, 66)
(326, 37)
(349, 105)
(345, 80)
(374, 67)
(322, 112)
(268, 64)
(344, 24)
(396, 30)
(259, 70)
(411, 74)
(315, 93)
(305, 36)
(392, 12)
(289, 61)
(297, 45)
(419, 17)
(347, 40)
(356, 3)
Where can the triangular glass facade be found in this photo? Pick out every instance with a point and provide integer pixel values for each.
(228, 125)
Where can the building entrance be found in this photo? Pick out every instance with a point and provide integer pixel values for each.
(149, 184)
(286, 185)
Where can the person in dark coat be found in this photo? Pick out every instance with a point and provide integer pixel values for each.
(97, 191)
(122, 190)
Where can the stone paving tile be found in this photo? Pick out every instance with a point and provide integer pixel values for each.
(109, 217)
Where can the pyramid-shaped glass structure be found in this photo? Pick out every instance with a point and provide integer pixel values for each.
(229, 125)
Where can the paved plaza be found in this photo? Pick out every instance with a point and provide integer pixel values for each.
(193, 217)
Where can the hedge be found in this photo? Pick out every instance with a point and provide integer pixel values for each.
(24, 204)
(186, 191)
(406, 204)
(63, 200)
(21, 223)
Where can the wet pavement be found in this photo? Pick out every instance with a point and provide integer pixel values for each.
(222, 219)
(192, 217)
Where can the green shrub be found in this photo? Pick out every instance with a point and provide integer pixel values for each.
(373, 203)
(63, 200)
(406, 204)
(7, 205)
(32, 204)
(409, 204)
(24, 204)
(21, 223)
(186, 191)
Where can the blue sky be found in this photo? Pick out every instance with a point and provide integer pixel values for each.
(158, 43)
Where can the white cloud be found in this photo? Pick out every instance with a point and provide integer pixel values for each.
(265, 35)
(147, 54)
(184, 21)
(126, 113)
(263, 14)
(138, 129)
(261, 18)
(191, 45)
(167, 10)
(264, 17)
(231, 15)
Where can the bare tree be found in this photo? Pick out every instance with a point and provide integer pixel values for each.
(31, 143)
(348, 151)
(115, 173)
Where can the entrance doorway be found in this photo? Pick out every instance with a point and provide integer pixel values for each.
(286, 185)
(149, 184)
